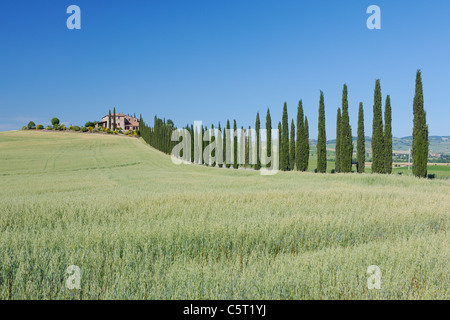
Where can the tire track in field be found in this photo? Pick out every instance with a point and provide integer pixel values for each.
(52, 158)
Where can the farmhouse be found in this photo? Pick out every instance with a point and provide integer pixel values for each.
(123, 121)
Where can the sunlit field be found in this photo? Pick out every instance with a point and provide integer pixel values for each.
(140, 227)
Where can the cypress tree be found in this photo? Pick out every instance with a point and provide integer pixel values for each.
(292, 147)
(196, 142)
(377, 132)
(242, 143)
(224, 146)
(305, 152)
(388, 136)
(109, 119)
(361, 147)
(284, 155)
(228, 144)
(338, 142)
(235, 146)
(250, 147)
(213, 151)
(322, 138)
(346, 148)
(268, 136)
(219, 146)
(114, 119)
(258, 145)
(299, 150)
(192, 143)
(420, 142)
(247, 153)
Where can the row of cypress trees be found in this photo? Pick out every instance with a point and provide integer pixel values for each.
(294, 144)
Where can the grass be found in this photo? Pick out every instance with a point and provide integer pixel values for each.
(140, 227)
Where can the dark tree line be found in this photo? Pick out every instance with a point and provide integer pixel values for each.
(294, 141)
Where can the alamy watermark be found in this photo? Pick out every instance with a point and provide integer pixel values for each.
(74, 279)
(249, 149)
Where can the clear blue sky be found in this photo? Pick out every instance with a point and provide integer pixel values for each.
(218, 59)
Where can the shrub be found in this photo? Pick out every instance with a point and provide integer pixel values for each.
(315, 170)
(76, 128)
(84, 129)
(135, 134)
(48, 128)
(55, 122)
(39, 127)
(108, 130)
(115, 132)
(90, 124)
(333, 171)
(24, 128)
(31, 125)
(431, 176)
(90, 129)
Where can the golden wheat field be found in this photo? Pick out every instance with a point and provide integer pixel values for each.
(140, 227)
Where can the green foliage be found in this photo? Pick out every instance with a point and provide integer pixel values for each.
(31, 125)
(114, 119)
(55, 122)
(284, 150)
(258, 146)
(269, 136)
(292, 147)
(346, 145)
(39, 127)
(90, 124)
(235, 146)
(337, 158)
(228, 146)
(378, 153)
(305, 145)
(387, 139)
(322, 139)
(75, 128)
(300, 151)
(420, 142)
(361, 141)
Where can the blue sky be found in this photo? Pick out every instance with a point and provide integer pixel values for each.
(221, 59)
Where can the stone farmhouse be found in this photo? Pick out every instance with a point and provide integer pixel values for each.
(123, 121)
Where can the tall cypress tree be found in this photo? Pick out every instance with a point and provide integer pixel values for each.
(268, 136)
(224, 146)
(388, 136)
(361, 147)
(337, 150)
(250, 147)
(247, 153)
(228, 144)
(284, 155)
(292, 147)
(192, 143)
(299, 151)
(420, 142)
(114, 119)
(109, 119)
(305, 147)
(377, 132)
(346, 136)
(235, 146)
(219, 147)
(279, 143)
(258, 145)
(322, 138)
(213, 151)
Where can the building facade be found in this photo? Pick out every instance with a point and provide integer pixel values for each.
(123, 122)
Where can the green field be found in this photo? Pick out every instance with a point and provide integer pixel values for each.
(140, 227)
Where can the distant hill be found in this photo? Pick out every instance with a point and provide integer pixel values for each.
(438, 144)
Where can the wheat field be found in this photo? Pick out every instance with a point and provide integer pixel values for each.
(140, 227)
